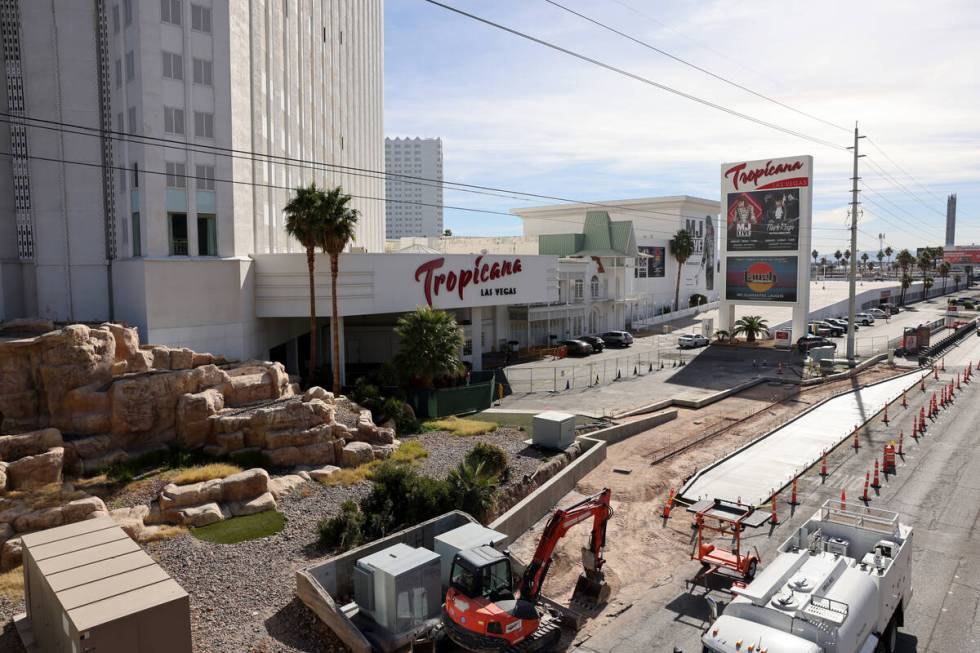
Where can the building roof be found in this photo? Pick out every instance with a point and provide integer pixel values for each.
(98, 573)
(417, 249)
(627, 203)
(600, 237)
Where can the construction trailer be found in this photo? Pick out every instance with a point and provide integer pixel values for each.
(840, 584)
(89, 587)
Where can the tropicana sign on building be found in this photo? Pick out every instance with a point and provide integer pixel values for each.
(434, 282)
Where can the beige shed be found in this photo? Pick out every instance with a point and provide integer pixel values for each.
(90, 588)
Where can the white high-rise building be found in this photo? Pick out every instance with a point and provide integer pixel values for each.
(414, 208)
(176, 129)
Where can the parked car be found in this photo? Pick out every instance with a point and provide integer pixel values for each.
(878, 313)
(809, 341)
(576, 347)
(815, 328)
(617, 338)
(691, 340)
(598, 344)
(841, 322)
(836, 330)
(867, 319)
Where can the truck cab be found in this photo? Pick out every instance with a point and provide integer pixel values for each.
(838, 585)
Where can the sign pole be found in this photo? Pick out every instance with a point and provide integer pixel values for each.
(852, 277)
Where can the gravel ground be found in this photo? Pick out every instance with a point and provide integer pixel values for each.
(446, 451)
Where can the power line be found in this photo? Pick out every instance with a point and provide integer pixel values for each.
(904, 188)
(694, 66)
(903, 170)
(316, 165)
(636, 77)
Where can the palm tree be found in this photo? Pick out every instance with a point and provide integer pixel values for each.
(751, 326)
(927, 285)
(888, 252)
(475, 489)
(815, 254)
(823, 264)
(943, 270)
(905, 261)
(880, 255)
(906, 283)
(430, 345)
(338, 229)
(847, 260)
(956, 282)
(925, 261)
(304, 223)
(722, 335)
(864, 260)
(838, 255)
(681, 248)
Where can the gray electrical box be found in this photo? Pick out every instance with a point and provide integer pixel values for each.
(399, 587)
(554, 430)
(467, 536)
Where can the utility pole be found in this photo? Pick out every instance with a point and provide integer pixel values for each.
(852, 277)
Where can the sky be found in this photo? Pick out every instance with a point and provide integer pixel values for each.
(515, 115)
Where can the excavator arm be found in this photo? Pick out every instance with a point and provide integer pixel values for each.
(598, 508)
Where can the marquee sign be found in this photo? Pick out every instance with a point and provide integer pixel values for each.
(435, 281)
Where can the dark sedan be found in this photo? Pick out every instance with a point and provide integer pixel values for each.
(808, 342)
(617, 338)
(576, 347)
(598, 344)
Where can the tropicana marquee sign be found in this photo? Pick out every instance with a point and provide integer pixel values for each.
(458, 281)
(740, 176)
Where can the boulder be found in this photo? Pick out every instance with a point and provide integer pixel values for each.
(384, 451)
(281, 486)
(229, 442)
(131, 520)
(111, 457)
(160, 357)
(357, 453)
(11, 554)
(6, 532)
(26, 326)
(316, 392)
(285, 457)
(36, 471)
(178, 496)
(181, 359)
(127, 346)
(203, 515)
(260, 503)
(91, 447)
(157, 515)
(340, 431)
(3, 476)
(302, 438)
(323, 473)
(193, 418)
(148, 403)
(17, 446)
(12, 510)
(244, 485)
(39, 520)
(71, 358)
(80, 509)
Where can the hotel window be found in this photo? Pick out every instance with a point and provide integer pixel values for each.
(203, 124)
(173, 66)
(118, 73)
(173, 120)
(201, 18)
(176, 175)
(178, 233)
(136, 175)
(128, 11)
(137, 244)
(579, 289)
(207, 235)
(202, 72)
(170, 11)
(132, 120)
(205, 177)
(130, 66)
(595, 286)
(115, 19)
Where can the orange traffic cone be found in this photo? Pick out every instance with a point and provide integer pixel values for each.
(876, 482)
(668, 504)
(775, 517)
(901, 443)
(792, 496)
(905, 403)
(843, 499)
(864, 495)
(823, 465)
(857, 444)
(915, 426)
(942, 364)
(935, 372)
(885, 418)
(957, 380)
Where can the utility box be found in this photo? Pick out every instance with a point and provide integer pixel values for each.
(554, 430)
(399, 587)
(467, 536)
(89, 587)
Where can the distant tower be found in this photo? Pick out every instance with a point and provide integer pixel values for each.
(951, 220)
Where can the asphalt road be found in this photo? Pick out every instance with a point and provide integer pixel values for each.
(936, 490)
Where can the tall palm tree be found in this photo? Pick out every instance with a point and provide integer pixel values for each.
(815, 254)
(430, 344)
(905, 261)
(888, 252)
(339, 224)
(864, 261)
(847, 259)
(751, 326)
(956, 282)
(880, 255)
(304, 223)
(838, 255)
(943, 271)
(681, 248)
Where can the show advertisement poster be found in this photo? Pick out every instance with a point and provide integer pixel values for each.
(764, 220)
(656, 264)
(761, 278)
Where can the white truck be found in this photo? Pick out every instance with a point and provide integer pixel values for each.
(840, 584)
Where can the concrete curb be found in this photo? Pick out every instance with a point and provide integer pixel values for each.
(690, 403)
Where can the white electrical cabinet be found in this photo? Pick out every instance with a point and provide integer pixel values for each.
(554, 430)
(467, 536)
(399, 587)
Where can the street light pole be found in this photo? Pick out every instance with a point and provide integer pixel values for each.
(852, 277)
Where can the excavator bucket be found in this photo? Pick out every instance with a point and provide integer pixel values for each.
(591, 590)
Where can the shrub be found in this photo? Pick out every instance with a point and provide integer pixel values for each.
(343, 531)
(492, 457)
(402, 414)
(697, 299)
(475, 489)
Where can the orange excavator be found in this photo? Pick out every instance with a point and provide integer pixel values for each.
(485, 613)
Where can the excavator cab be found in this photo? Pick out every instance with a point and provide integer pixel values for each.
(485, 572)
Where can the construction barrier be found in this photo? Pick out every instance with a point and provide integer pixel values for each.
(888, 464)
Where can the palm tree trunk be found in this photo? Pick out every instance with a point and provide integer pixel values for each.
(335, 322)
(311, 264)
(677, 287)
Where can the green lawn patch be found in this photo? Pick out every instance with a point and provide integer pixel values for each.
(240, 529)
(523, 420)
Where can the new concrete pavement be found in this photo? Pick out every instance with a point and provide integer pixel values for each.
(936, 490)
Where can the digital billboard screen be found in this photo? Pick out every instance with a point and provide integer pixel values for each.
(761, 278)
(763, 220)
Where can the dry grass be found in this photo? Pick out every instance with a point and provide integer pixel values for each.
(204, 473)
(162, 532)
(49, 496)
(12, 584)
(461, 427)
(407, 453)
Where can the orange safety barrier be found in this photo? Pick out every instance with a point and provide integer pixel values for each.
(888, 464)
(668, 504)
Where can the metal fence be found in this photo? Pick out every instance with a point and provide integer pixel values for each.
(588, 374)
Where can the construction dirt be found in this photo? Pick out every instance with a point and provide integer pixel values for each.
(643, 553)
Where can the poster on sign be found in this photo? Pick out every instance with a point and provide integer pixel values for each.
(764, 220)
(761, 278)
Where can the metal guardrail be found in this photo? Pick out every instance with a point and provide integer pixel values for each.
(874, 519)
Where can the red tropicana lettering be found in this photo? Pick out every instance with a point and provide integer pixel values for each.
(740, 175)
(432, 283)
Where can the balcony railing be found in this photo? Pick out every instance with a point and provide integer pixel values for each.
(178, 247)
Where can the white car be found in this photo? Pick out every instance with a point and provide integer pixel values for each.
(865, 319)
(692, 340)
(878, 313)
